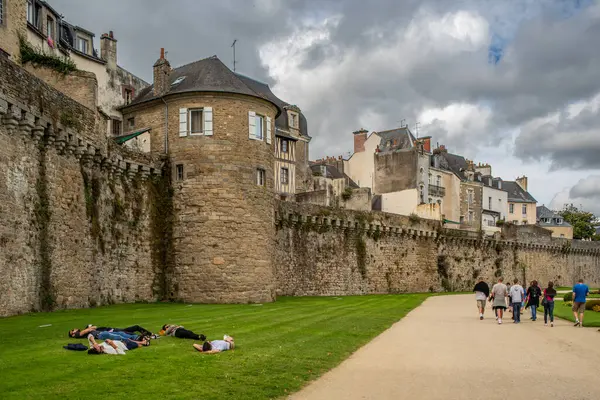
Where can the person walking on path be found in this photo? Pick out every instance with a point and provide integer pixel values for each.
(516, 295)
(548, 303)
(580, 292)
(498, 296)
(533, 298)
(482, 292)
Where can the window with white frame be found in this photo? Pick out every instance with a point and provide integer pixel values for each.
(284, 145)
(470, 216)
(195, 118)
(511, 208)
(259, 126)
(470, 197)
(179, 172)
(438, 180)
(82, 44)
(260, 177)
(30, 17)
(524, 209)
(285, 176)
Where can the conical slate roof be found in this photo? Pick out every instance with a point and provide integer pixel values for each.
(207, 75)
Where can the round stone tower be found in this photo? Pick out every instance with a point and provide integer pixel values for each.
(220, 143)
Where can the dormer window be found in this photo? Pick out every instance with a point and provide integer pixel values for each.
(559, 221)
(83, 45)
(178, 80)
(293, 120)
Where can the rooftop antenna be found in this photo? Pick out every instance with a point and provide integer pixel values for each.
(417, 124)
(233, 46)
(402, 122)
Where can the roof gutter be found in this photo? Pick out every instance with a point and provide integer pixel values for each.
(166, 125)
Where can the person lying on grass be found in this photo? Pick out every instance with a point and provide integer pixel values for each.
(180, 332)
(216, 346)
(114, 347)
(82, 333)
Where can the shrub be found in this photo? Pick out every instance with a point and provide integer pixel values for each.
(500, 222)
(590, 304)
(568, 296)
(568, 303)
(347, 194)
(596, 308)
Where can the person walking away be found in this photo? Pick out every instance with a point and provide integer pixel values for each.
(548, 303)
(482, 292)
(580, 292)
(533, 298)
(510, 308)
(499, 294)
(516, 295)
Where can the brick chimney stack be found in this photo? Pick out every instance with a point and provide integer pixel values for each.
(360, 137)
(108, 50)
(162, 70)
(522, 181)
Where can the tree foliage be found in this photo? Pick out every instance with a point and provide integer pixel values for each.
(582, 221)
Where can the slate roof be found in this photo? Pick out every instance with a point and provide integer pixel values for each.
(544, 212)
(454, 163)
(402, 136)
(516, 194)
(207, 75)
(332, 172)
(282, 121)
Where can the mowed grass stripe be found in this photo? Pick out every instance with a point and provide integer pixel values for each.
(281, 346)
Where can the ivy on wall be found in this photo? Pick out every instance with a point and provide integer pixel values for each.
(37, 57)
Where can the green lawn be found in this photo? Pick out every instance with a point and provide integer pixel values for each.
(591, 318)
(279, 348)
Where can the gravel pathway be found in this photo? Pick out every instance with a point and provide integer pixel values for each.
(441, 350)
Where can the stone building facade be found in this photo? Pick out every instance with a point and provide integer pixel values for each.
(100, 77)
(219, 136)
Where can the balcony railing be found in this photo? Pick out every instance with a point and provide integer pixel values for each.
(437, 191)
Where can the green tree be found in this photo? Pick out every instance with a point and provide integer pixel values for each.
(582, 221)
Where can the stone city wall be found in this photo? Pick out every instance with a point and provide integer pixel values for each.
(79, 218)
(321, 251)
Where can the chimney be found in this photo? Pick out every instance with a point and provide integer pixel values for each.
(426, 143)
(360, 137)
(108, 50)
(522, 181)
(162, 70)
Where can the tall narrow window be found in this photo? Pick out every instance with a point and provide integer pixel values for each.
(131, 123)
(179, 172)
(30, 11)
(195, 119)
(260, 177)
(524, 209)
(470, 197)
(284, 146)
(49, 27)
(128, 96)
(259, 127)
(116, 127)
(511, 208)
(438, 180)
(285, 176)
(490, 203)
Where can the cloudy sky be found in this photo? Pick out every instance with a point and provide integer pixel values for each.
(512, 83)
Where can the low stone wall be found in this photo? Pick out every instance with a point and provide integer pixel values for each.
(321, 251)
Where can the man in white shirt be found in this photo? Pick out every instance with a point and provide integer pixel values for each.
(516, 294)
(113, 347)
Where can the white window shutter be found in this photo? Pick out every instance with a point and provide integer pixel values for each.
(268, 130)
(183, 131)
(208, 121)
(251, 124)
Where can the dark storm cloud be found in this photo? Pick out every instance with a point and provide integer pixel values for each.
(548, 59)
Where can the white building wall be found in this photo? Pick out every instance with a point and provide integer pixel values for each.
(361, 166)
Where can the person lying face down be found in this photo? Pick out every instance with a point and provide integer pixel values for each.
(180, 332)
(216, 346)
(82, 333)
(113, 347)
